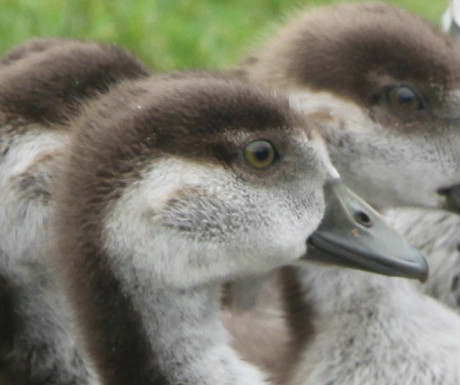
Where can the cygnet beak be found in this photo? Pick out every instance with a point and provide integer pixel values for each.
(452, 195)
(354, 235)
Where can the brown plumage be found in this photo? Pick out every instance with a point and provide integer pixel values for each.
(352, 50)
(45, 80)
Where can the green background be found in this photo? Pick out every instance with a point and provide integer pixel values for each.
(166, 34)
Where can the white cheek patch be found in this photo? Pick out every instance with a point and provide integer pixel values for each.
(29, 148)
(24, 222)
(142, 246)
(339, 110)
(155, 189)
(134, 225)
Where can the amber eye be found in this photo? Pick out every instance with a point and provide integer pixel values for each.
(402, 99)
(260, 154)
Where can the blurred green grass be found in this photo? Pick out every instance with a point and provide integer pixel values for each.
(166, 34)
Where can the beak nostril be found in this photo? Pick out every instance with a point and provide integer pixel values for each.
(363, 218)
(443, 191)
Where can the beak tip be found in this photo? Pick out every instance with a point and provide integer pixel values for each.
(451, 198)
(418, 265)
(423, 278)
(424, 271)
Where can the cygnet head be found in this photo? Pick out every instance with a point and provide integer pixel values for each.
(192, 181)
(45, 81)
(170, 188)
(389, 84)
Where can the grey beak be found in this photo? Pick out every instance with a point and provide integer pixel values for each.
(354, 235)
(452, 195)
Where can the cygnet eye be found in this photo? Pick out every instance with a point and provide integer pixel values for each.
(260, 154)
(403, 99)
